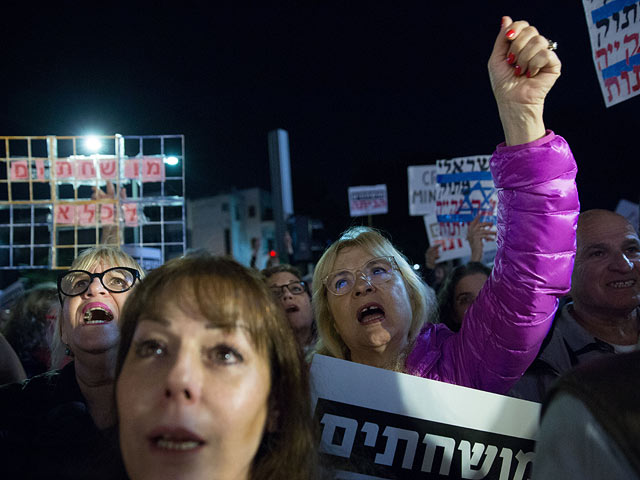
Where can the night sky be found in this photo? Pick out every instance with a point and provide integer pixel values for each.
(363, 91)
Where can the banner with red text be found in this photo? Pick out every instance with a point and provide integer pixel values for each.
(614, 31)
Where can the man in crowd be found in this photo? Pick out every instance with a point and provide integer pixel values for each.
(602, 315)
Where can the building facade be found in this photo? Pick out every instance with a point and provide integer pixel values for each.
(229, 223)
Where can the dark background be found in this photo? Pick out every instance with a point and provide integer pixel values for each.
(364, 89)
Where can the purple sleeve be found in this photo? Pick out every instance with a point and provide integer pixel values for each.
(503, 329)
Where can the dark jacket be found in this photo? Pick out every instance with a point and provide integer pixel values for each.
(567, 345)
(591, 422)
(46, 432)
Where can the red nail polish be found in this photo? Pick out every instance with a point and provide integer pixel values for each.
(517, 70)
(511, 58)
(528, 74)
(510, 34)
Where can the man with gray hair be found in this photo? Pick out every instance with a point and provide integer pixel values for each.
(602, 315)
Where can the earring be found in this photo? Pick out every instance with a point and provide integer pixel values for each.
(67, 351)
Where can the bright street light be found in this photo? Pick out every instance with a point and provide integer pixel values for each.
(92, 143)
(171, 160)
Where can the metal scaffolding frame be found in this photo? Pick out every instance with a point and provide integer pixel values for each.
(30, 236)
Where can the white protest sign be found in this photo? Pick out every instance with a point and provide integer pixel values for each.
(422, 189)
(464, 190)
(368, 200)
(450, 247)
(614, 30)
(379, 424)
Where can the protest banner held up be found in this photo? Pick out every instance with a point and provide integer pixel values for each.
(614, 31)
(422, 189)
(54, 199)
(368, 200)
(463, 189)
(379, 424)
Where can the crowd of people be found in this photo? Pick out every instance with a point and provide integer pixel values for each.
(200, 368)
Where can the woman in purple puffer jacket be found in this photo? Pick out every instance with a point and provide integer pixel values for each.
(371, 307)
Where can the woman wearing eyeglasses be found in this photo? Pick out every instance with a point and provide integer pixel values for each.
(61, 422)
(287, 286)
(372, 308)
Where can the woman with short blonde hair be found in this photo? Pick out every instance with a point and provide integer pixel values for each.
(372, 241)
(370, 306)
(63, 420)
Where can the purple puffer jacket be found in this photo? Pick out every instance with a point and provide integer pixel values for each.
(503, 329)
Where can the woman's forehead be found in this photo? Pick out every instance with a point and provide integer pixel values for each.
(217, 302)
(351, 258)
(282, 278)
(97, 266)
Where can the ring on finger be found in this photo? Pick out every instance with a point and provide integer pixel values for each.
(552, 45)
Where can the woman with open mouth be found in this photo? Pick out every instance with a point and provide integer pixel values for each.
(63, 421)
(372, 308)
(210, 381)
(286, 284)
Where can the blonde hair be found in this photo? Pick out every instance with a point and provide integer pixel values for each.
(86, 260)
(421, 297)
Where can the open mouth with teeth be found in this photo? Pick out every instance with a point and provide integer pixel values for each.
(622, 284)
(173, 443)
(97, 315)
(370, 314)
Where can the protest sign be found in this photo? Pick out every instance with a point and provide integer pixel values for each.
(379, 424)
(450, 247)
(422, 189)
(464, 189)
(614, 30)
(55, 200)
(368, 200)
(80, 168)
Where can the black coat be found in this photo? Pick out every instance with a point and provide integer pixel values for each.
(46, 432)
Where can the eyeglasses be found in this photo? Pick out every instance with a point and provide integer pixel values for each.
(295, 288)
(115, 280)
(375, 272)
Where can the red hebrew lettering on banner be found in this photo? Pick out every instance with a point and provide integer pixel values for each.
(65, 197)
(86, 215)
(108, 168)
(85, 170)
(107, 211)
(130, 211)
(65, 214)
(132, 168)
(64, 169)
(40, 169)
(19, 170)
(152, 169)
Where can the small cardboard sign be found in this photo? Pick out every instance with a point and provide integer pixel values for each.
(368, 200)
